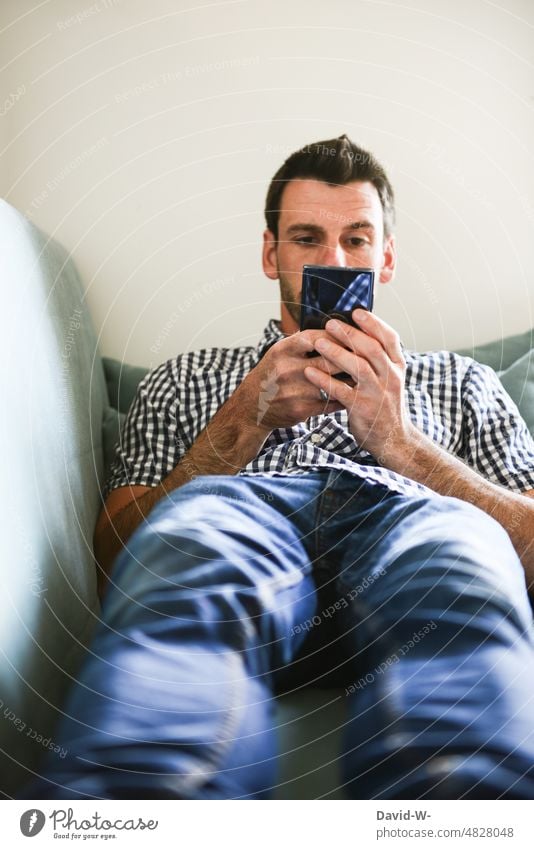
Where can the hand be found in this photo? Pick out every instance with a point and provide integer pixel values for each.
(276, 393)
(372, 355)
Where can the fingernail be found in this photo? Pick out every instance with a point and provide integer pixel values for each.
(361, 315)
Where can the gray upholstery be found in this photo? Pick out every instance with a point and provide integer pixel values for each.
(501, 353)
(53, 394)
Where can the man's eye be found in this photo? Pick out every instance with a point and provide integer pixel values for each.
(356, 242)
(305, 240)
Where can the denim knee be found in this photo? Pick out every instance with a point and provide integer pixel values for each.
(448, 530)
(206, 557)
(444, 558)
(481, 541)
(208, 518)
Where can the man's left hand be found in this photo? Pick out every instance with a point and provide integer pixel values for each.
(371, 354)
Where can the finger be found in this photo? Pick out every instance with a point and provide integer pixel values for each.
(360, 343)
(331, 407)
(384, 334)
(340, 359)
(304, 340)
(336, 390)
(326, 364)
(306, 346)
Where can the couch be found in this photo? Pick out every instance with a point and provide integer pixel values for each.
(63, 406)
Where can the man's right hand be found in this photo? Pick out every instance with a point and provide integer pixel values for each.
(276, 393)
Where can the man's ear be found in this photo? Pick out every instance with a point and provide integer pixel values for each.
(389, 260)
(270, 265)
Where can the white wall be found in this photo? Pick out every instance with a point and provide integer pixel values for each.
(143, 136)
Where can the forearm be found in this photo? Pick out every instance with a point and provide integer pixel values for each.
(224, 447)
(422, 460)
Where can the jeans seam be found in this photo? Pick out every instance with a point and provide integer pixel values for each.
(227, 733)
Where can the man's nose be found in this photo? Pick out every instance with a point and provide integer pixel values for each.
(333, 255)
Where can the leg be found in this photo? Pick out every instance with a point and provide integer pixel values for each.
(175, 699)
(443, 705)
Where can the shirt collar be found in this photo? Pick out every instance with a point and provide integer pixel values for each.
(271, 334)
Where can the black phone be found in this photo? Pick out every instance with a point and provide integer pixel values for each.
(329, 291)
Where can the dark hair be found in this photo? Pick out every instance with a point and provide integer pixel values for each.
(337, 162)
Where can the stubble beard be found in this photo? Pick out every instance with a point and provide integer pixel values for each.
(289, 298)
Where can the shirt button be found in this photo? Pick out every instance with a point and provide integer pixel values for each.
(316, 438)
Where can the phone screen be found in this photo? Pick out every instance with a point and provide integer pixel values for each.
(333, 292)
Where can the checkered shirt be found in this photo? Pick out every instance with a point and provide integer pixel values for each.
(460, 404)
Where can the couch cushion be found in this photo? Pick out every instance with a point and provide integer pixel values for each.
(53, 397)
(111, 431)
(501, 353)
(122, 380)
(518, 380)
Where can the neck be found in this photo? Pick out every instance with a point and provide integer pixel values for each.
(288, 324)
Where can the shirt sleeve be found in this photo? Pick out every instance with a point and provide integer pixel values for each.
(497, 442)
(148, 447)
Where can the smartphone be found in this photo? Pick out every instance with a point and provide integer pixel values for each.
(329, 291)
(332, 292)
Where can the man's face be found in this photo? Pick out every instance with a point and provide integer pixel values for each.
(321, 224)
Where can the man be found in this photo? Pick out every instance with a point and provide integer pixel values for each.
(294, 528)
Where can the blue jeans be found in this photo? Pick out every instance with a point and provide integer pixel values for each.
(238, 587)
